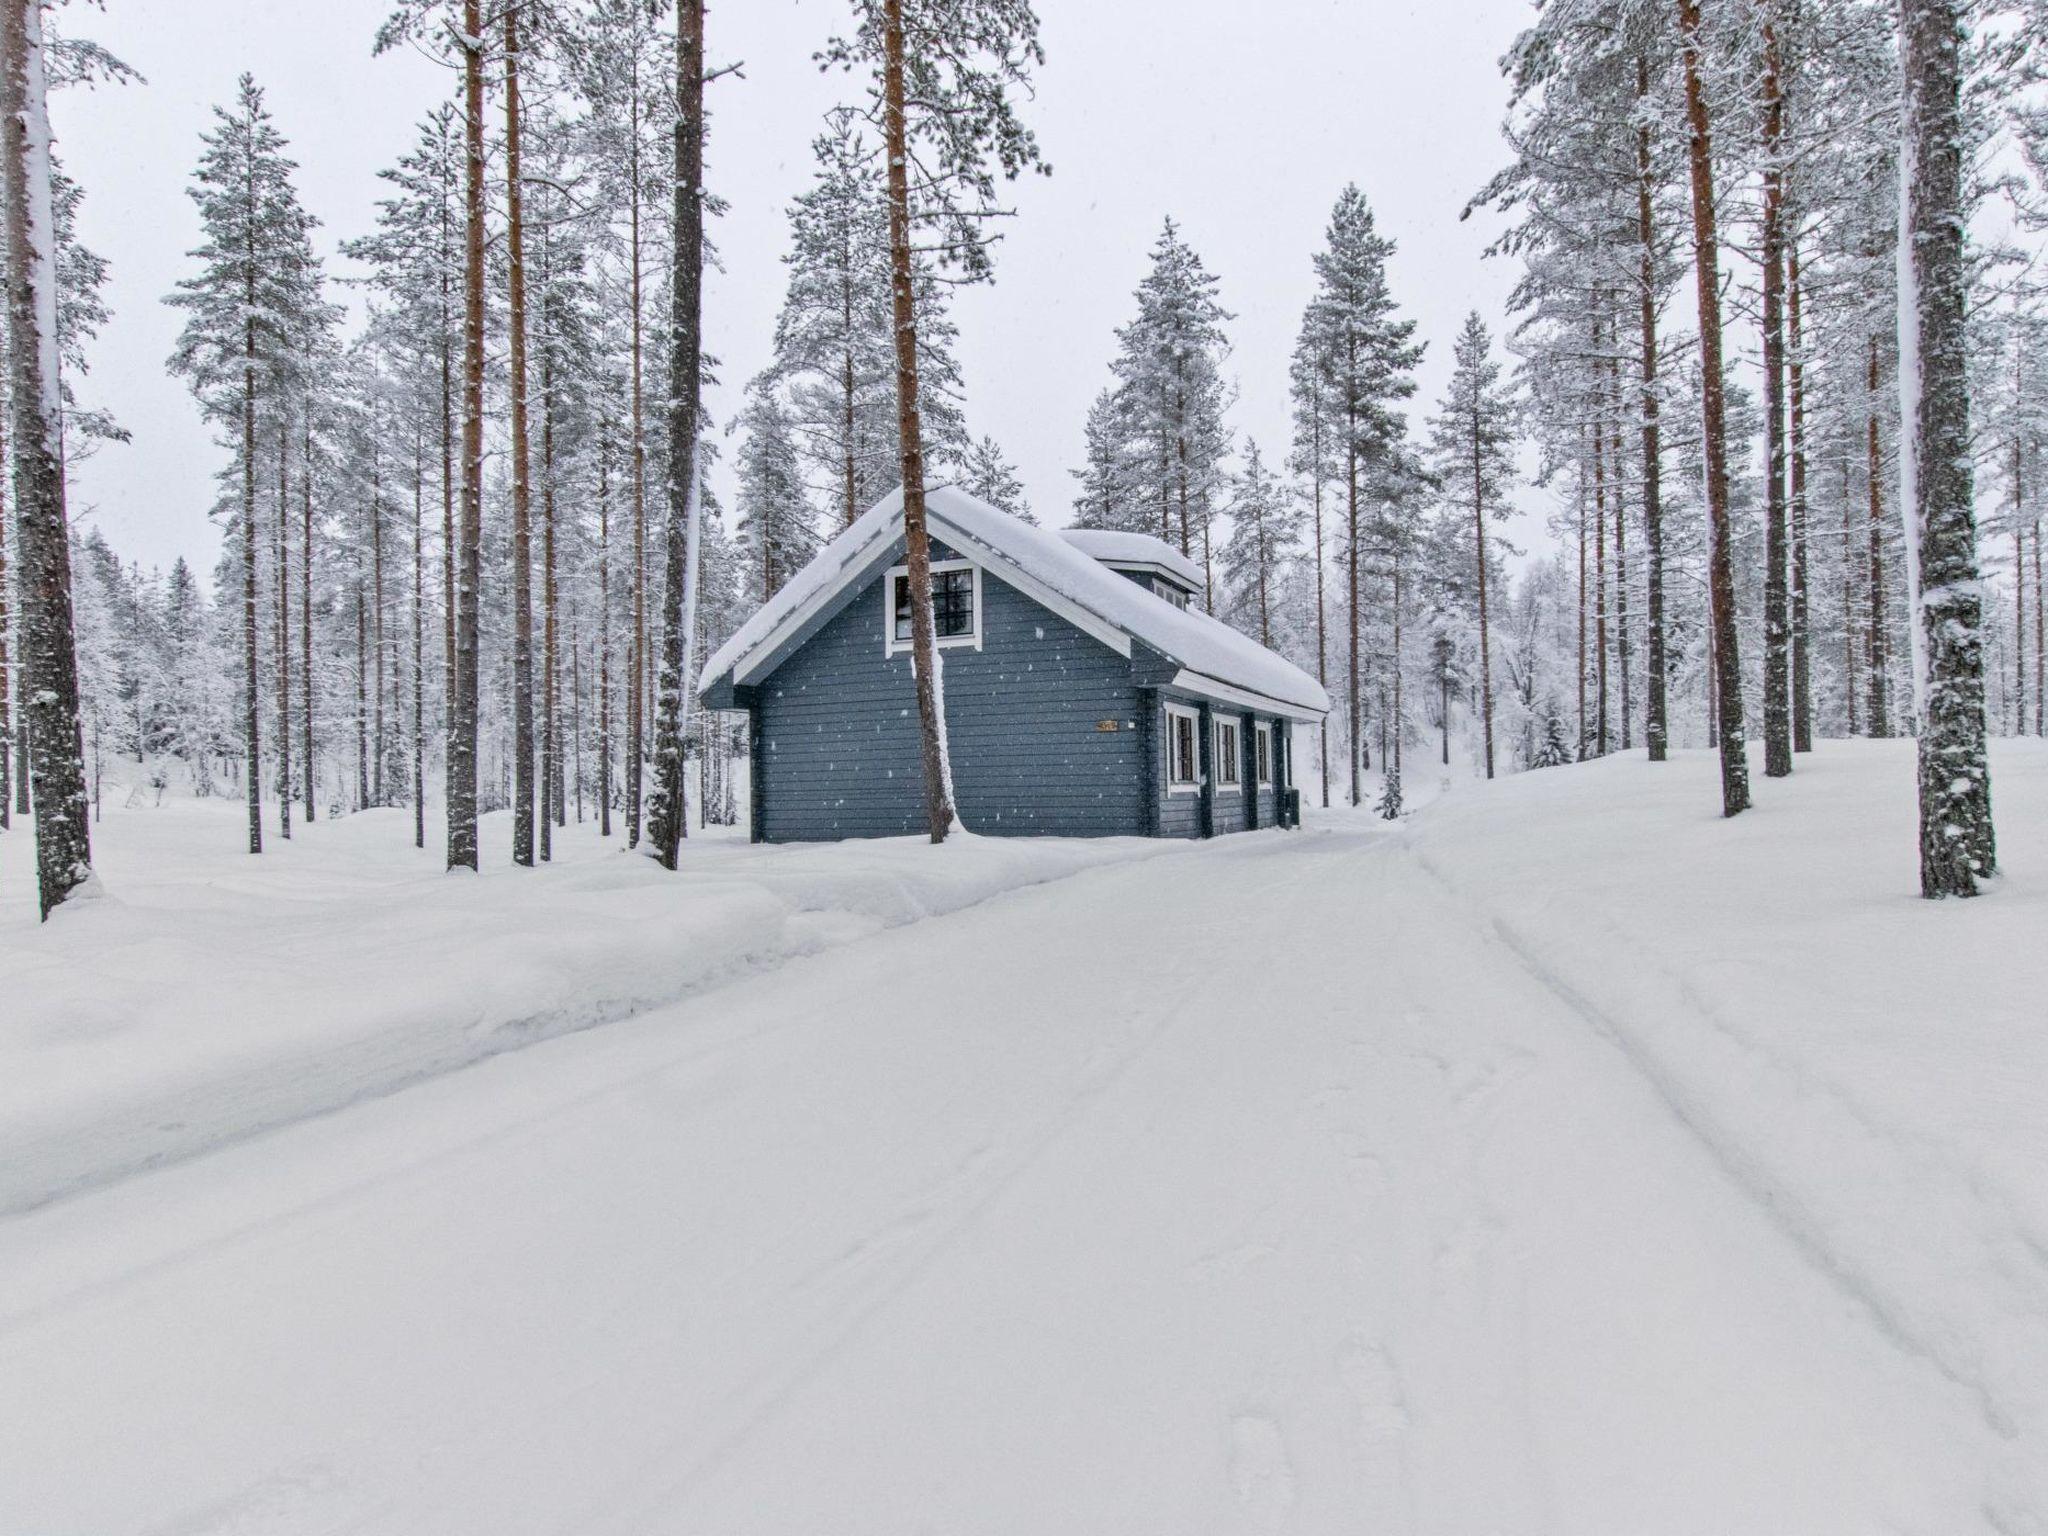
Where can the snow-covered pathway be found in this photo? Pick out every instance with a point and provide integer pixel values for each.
(1261, 1189)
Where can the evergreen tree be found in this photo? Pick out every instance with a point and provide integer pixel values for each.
(988, 475)
(1472, 441)
(1265, 536)
(1107, 499)
(777, 530)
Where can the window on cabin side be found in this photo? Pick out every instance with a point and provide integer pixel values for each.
(952, 605)
(1183, 765)
(1262, 750)
(1227, 758)
(1170, 592)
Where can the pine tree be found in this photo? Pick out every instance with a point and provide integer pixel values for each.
(1472, 446)
(943, 70)
(1265, 535)
(1957, 849)
(1107, 499)
(248, 309)
(1366, 360)
(988, 475)
(777, 528)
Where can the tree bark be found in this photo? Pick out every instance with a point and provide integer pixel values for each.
(462, 723)
(283, 632)
(1721, 572)
(419, 661)
(1957, 847)
(1875, 650)
(306, 761)
(1597, 397)
(910, 432)
(42, 549)
(669, 820)
(604, 636)
(1802, 622)
(1485, 635)
(6, 703)
(1777, 627)
(522, 489)
(636, 641)
(1656, 729)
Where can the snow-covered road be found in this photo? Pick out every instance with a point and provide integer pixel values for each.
(1262, 1188)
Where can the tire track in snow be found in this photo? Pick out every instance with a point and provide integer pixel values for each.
(1892, 1317)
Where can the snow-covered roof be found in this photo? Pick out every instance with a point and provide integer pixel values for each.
(1213, 657)
(1114, 548)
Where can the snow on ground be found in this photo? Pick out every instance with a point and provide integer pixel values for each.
(213, 994)
(1562, 1160)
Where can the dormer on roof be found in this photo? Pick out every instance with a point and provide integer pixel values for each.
(1152, 563)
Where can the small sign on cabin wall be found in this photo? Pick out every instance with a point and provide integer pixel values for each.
(1105, 725)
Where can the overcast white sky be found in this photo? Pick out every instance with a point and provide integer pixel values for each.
(1241, 121)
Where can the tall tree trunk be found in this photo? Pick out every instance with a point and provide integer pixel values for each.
(1597, 398)
(306, 761)
(1352, 718)
(550, 670)
(1581, 754)
(1614, 457)
(1957, 847)
(380, 749)
(1485, 634)
(1876, 650)
(252, 744)
(1802, 621)
(2040, 643)
(1851, 684)
(1777, 625)
(1322, 574)
(1721, 565)
(362, 693)
(670, 813)
(284, 629)
(636, 643)
(924, 651)
(419, 660)
(462, 722)
(522, 490)
(1656, 728)
(604, 637)
(6, 710)
(42, 548)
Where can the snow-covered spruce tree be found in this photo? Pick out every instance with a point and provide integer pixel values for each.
(1172, 396)
(1555, 748)
(1957, 849)
(668, 814)
(1108, 497)
(247, 311)
(833, 335)
(777, 528)
(942, 75)
(988, 475)
(1472, 447)
(1367, 361)
(1265, 536)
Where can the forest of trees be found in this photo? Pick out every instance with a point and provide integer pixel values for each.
(472, 555)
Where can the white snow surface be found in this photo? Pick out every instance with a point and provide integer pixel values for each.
(1194, 640)
(1563, 1158)
(1114, 547)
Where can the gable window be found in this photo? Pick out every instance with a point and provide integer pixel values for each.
(1183, 762)
(1170, 592)
(956, 605)
(1228, 759)
(1262, 751)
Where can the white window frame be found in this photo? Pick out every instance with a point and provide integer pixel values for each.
(1194, 719)
(1232, 759)
(891, 646)
(1162, 588)
(1262, 755)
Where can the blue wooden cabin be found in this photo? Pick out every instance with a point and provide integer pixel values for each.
(1084, 696)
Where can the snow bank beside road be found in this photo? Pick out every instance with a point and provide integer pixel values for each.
(214, 995)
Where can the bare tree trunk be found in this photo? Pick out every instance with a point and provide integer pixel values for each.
(1322, 604)
(670, 815)
(1777, 625)
(1656, 728)
(306, 761)
(380, 793)
(42, 548)
(636, 642)
(462, 723)
(924, 649)
(1597, 397)
(6, 713)
(1353, 721)
(1957, 847)
(1581, 754)
(1721, 571)
(362, 694)
(284, 630)
(1802, 623)
(1876, 649)
(419, 668)
(1615, 457)
(1485, 636)
(522, 489)
(1851, 685)
(604, 640)
(550, 716)
(2040, 643)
